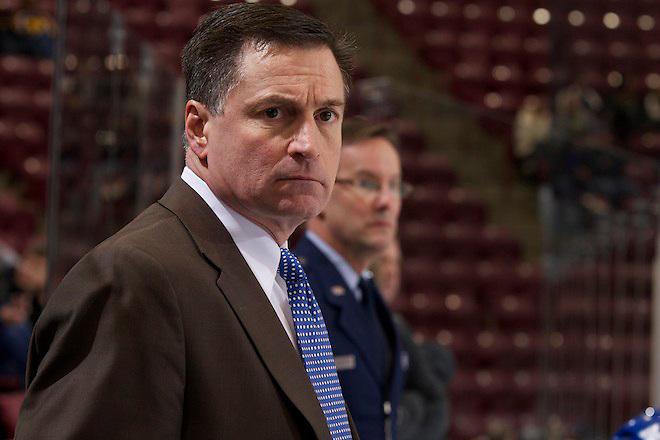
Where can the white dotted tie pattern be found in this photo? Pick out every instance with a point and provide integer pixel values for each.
(314, 345)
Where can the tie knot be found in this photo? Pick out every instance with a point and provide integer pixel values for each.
(366, 284)
(290, 268)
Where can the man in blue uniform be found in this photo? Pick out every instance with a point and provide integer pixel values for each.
(359, 221)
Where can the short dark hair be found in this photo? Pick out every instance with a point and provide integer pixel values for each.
(210, 58)
(359, 128)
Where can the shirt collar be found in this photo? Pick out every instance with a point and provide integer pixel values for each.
(350, 276)
(259, 249)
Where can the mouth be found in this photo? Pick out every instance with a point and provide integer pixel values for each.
(380, 224)
(301, 179)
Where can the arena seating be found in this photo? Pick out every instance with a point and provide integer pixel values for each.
(465, 283)
(507, 46)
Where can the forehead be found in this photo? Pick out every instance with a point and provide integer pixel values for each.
(374, 155)
(268, 68)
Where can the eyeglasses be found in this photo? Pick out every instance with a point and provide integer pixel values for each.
(371, 187)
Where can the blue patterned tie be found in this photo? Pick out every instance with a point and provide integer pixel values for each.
(314, 345)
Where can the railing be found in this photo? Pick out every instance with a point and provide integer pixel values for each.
(598, 298)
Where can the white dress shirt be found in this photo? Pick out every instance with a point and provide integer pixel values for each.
(259, 249)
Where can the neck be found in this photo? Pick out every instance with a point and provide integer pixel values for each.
(279, 231)
(359, 263)
(358, 259)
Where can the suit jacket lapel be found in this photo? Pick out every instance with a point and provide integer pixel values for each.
(250, 304)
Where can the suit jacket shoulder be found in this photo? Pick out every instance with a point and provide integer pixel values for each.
(162, 331)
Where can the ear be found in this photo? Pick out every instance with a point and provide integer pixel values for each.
(197, 116)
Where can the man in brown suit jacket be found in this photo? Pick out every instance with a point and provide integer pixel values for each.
(178, 327)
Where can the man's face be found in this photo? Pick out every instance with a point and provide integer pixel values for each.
(387, 272)
(365, 221)
(273, 153)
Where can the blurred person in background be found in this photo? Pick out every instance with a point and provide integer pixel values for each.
(580, 113)
(358, 223)
(20, 306)
(179, 325)
(15, 331)
(27, 30)
(424, 411)
(30, 275)
(533, 150)
(625, 112)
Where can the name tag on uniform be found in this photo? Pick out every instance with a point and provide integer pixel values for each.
(345, 362)
(338, 290)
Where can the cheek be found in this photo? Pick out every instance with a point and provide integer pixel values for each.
(359, 216)
(331, 156)
(334, 162)
(254, 165)
(353, 209)
(396, 210)
(339, 213)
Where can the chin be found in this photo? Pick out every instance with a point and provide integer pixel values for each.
(377, 245)
(381, 240)
(304, 207)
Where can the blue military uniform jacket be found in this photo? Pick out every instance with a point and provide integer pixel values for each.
(371, 397)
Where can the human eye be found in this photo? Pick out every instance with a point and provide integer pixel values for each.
(327, 115)
(272, 112)
(400, 188)
(369, 184)
(394, 186)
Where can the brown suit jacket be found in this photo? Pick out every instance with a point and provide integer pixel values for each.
(163, 332)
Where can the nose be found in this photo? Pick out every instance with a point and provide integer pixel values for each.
(304, 143)
(386, 199)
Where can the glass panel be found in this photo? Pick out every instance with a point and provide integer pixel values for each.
(116, 137)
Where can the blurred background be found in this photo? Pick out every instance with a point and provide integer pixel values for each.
(530, 129)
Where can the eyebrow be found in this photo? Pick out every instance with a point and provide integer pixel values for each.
(333, 103)
(278, 99)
